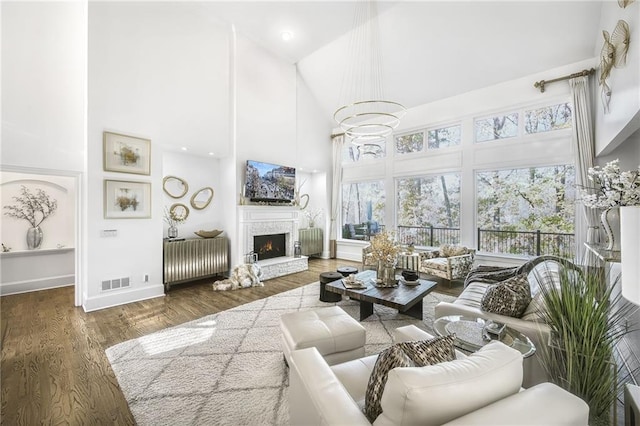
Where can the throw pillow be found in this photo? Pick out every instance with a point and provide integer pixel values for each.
(448, 250)
(404, 354)
(510, 297)
(544, 277)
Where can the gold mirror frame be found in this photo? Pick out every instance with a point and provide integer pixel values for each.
(174, 211)
(168, 183)
(202, 204)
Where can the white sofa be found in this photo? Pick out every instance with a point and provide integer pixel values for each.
(469, 301)
(481, 389)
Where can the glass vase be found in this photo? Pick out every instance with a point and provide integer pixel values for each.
(610, 219)
(385, 274)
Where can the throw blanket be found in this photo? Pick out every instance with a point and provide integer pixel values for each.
(243, 276)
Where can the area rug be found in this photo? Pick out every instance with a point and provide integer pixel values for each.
(228, 368)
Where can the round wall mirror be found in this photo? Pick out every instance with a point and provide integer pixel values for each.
(179, 211)
(202, 198)
(175, 187)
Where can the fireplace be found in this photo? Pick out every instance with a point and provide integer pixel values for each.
(269, 246)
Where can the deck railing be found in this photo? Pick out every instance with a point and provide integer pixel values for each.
(427, 236)
(528, 243)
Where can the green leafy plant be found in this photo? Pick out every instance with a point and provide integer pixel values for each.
(34, 208)
(587, 318)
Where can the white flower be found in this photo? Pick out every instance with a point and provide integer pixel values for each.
(613, 188)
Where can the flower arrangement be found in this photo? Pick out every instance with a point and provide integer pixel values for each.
(312, 215)
(34, 208)
(613, 188)
(384, 248)
(172, 219)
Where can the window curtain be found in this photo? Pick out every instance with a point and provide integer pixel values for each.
(586, 219)
(337, 141)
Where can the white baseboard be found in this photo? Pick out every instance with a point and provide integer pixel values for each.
(18, 287)
(122, 297)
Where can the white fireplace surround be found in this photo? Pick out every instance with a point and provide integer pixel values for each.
(267, 220)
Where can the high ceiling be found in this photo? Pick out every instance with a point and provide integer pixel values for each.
(431, 49)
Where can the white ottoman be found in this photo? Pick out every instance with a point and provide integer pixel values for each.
(337, 336)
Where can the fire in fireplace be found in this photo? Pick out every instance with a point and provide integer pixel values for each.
(269, 246)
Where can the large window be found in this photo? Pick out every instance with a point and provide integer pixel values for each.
(428, 209)
(363, 206)
(526, 211)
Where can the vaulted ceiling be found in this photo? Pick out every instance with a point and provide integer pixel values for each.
(431, 49)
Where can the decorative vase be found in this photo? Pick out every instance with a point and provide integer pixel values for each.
(172, 232)
(311, 223)
(34, 238)
(386, 274)
(610, 219)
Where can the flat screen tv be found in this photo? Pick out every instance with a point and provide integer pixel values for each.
(269, 182)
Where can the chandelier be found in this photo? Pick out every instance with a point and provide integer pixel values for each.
(365, 115)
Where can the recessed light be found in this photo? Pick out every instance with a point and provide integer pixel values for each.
(211, 153)
(184, 148)
(286, 35)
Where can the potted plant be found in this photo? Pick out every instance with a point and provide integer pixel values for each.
(384, 250)
(587, 318)
(34, 208)
(173, 220)
(613, 189)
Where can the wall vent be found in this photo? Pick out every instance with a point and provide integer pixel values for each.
(116, 283)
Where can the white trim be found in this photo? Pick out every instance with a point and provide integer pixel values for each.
(36, 285)
(112, 299)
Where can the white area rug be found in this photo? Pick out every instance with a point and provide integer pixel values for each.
(228, 368)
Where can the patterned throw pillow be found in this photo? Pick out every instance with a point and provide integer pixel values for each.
(509, 297)
(404, 354)
(448, 250)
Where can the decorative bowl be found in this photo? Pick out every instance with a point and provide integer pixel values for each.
(208, 234)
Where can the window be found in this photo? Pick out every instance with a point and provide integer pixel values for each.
(528, 211)
(363, 206)
(428, 209)
(498, 127)
(549, 118)
(444, 137)
(352, 153)
(413, 142)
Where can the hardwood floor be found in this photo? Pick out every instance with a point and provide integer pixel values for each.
(54, 369)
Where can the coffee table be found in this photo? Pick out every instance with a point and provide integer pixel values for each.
(468, 331)
(407, 299)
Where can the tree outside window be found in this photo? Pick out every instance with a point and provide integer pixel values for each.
(498, 127)
(428, 203)
(517, 207)
(444, 137)
(555, 117)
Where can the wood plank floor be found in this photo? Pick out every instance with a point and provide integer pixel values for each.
(54, 369)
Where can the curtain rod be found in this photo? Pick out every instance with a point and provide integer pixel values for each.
(582, 73)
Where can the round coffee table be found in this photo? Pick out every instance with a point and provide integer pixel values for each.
(470, 336)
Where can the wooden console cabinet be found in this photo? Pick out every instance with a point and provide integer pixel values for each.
(194, 258)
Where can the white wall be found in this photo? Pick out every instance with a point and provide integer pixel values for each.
(153, 73)
(624, 108)
(199, 172)
(43, 84)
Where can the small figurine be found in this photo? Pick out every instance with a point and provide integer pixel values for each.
(5, 249)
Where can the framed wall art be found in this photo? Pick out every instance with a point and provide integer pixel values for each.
(126, 154)
(127, 200)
